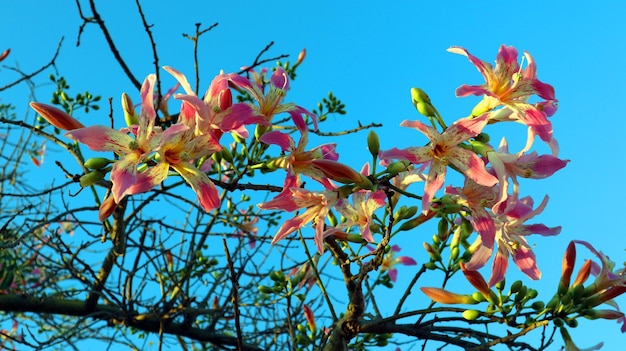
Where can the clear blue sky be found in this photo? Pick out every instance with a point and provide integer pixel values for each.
(370, 54)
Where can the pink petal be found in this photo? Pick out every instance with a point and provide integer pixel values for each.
(436, 177)
(100, 138)
(499, 267)
(205, 189)
(275, 137)
(525, 260)
(124, 175)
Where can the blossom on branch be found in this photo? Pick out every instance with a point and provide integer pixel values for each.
(511, 232)
(444, 150)
(510, 86)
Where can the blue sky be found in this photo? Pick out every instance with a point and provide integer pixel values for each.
(370, 54)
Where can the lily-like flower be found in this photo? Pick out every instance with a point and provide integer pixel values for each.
(215, 113)
(360, 213)
(444, 150)
(317, 205)
(510, 239)
(390, 261)
(271, 103)
(476, 198)
(510, 86)
(507, 166)
(300, 161)
(132, 151)
(179, 149)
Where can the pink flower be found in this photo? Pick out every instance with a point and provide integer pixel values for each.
(442, 150)
(179, 149)
(317, 205)
(390, 261)
(215, 113)
(361, 212)
(509, 166)
(476, 197)
(271, 103)
(510, 237)
(132, 151)
(510, 86)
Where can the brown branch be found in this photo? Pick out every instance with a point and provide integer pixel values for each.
(235, 298)
(114, 314)
(29, 76)
(105, 31)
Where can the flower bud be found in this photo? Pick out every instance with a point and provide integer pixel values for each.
(106, 208)
(265, 289)
(373, 144)
(446, 297)
(97, 163)
(471, 315)
(301, 57)
(130, 116)
(397, 167)
(516, 286)
(4, 54)
(91, 178)
(56, 117)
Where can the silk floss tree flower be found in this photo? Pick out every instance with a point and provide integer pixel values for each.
(215, 113)
(316, 205)
(132, 150)
(510, 237)
(390, 261)
(510, 86)
(271, 102)
(444, 150)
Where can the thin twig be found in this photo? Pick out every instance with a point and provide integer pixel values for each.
(29, 76)
(235, 297)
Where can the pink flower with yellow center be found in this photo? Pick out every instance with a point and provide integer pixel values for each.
(132, 150)
(510, 86)
(511, 232)
(271, 103)
(444, 150)
(316, 205)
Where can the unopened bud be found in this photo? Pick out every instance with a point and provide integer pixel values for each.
(91, 178)
(56, 117)
(470, 315)
(130, 116)
(4, 54)
(373, 144)
(301, 57)
(97, 163)
(227, 155)
(397, 167)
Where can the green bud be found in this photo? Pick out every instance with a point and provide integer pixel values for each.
(260, 130)
(478, 297)
(97, 162)
(419, 96)
(425, 109)
(442, 229)
(301, 328)
(430, 265)
(577, 292)
(501, 284)
(265, 289)
(553, 303)
(532, 293)
(436, 239)
(91, 178)
(130, 116)
(516, 286)
(521, 294)
(572, 323)
(397, 167)
(466, 228)
(226, 155)
(454, 253)
(483, 138)
(278, 276)
(373, 144)
(410, 212)
(538, 305)
(471, 315)
(558, 322)
(400, 213)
